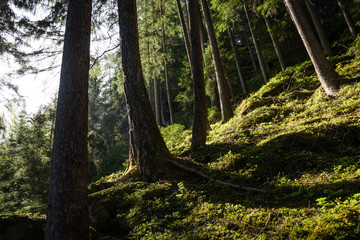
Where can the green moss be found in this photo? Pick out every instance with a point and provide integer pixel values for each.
(289, 137)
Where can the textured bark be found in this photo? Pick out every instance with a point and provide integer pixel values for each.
(319, 29)
(329, 79)
(167, 79)
(184, 30)
(275, 44)
(67, 214)
(348, 19)
(147, 147)
(223, 88)
(257, 48)
(237, 61)
(200, 110)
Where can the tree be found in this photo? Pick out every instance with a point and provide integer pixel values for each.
(348, 19)
(166, 69)
(256, 45)
(67, 215)
(184, 30)
(275, 44)
(329, 79)
(222, 84)
(237, 61)
(319, 29)
(147, 148)
(200, 121)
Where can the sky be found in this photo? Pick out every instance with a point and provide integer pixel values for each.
(34, 89)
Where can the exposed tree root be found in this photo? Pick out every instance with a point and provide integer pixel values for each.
(203, 175)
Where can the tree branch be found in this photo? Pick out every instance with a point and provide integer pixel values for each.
(203, 175)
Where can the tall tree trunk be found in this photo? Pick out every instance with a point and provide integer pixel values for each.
(348, 19)
(67, 214)
(157, 99)
(223, 88)
(319, 29)
(329, 79)
(202, 35)
(275, 44)
(237, 62)
(184, 30)
(147, 147)
(257, 48)
(167, 80)
(250, 51)
(200, 121)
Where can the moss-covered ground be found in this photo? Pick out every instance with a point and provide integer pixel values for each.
(289, 138)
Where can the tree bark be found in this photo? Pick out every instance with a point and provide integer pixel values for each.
(319, 29)
(67, 214)
(329, 79)
(237, 62)
(167, 80)
(257, 48)
(200, 121)
(275, 44)
(184, 30)
(348, 19)
(223, 88)
(147, 147)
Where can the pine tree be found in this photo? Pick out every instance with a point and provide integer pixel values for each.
(67, 215)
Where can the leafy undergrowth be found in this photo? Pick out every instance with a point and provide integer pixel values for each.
(289, 138)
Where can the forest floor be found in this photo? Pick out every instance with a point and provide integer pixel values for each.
(289, 138)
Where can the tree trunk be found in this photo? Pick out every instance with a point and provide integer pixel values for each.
(237, 62)
(200, 121)
(329, 79)
(223, 88)
(250, 51)
(67, 214)
(167, 80)
(202, 35)
(157, 99)
(319, 29)
(257, 48)
(275, 44)
(184, 31)
(348, 19)
(147, 147)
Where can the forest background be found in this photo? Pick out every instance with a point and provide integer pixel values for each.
(249, 54)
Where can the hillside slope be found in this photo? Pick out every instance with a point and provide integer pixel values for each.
(288, 138)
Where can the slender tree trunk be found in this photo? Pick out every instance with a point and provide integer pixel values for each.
(157, 100)
(237, 62)
(329, 79)
(250, 51)
(275, 44)
(147, 147)
(348, 19)
(319, 29)
(67, 214)
(184, 30)
(200, 122)
(223, 88)
(167, 80)
(202, 34)
(257, 48)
